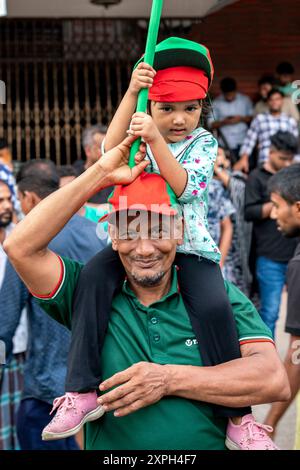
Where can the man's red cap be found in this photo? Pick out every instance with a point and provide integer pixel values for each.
(148, 192)
(175, 84)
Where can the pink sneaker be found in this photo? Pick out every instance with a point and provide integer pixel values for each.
(73, 410)
(249, 435)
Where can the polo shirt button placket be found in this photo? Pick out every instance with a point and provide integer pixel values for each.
(156, 337)
(154, 330)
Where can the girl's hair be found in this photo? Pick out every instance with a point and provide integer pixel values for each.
(206, 111)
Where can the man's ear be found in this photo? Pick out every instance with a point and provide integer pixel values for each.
(30, 199)
(87, 151)
(112, 231)
(297, 208)
(33, 198)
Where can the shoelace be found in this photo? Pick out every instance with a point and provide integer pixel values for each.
(63, 403)
(257, 431)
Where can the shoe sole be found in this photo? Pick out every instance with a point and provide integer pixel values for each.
(231, 445)
(91, 416)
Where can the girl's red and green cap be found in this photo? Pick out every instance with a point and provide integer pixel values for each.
(177, 84)
(176, 52)
(179, 52)
(184, 71)
(148, 192)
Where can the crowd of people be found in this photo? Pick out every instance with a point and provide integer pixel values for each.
(248, 190)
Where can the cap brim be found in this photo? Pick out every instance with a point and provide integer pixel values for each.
(164, 211)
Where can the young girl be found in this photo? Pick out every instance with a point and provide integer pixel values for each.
(184, 154)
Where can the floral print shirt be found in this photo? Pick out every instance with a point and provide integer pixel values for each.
(196, 153)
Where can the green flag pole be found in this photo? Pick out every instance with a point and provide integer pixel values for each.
(148, 58)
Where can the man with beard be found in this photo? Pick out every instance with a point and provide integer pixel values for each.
(11, 379)
(272, 250)
(285, 197)
(6, 209)
(263, 127)
(152, 379)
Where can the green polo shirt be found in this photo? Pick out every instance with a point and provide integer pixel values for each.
(160, 333)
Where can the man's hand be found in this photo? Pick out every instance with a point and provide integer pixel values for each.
(233, 120)
(222, 175)
(142, 125)
(242, 164)
(114, 163)
(138, 386)
(142, 77)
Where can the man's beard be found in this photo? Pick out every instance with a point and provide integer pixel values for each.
(292, 233)
(5, 221)
(148, 281)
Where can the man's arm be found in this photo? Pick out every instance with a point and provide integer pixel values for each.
(254, 208)
(214, 120)
(292, 367)
(292, 326)
(247, 147)
(237, 383)
(226, 122)
(26, 247)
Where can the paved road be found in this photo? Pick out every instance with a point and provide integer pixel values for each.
(286, 429)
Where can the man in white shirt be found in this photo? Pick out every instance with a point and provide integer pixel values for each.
(232, 112)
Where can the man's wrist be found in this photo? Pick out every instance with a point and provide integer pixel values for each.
(103, 175)
(169, 373)
(175, 378)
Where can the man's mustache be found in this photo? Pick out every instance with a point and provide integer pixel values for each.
(157, 258)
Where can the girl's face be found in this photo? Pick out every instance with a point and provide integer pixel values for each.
(176, 120)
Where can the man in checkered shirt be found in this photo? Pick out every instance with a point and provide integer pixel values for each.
(6, 175)
(263, 127)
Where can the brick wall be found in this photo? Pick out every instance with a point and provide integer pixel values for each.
(250, 37)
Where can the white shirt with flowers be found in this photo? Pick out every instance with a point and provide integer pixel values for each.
(197, 154)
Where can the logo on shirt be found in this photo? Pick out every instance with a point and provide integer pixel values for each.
(190, 342)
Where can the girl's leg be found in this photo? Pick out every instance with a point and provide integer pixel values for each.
(203, 292)
(99, 281)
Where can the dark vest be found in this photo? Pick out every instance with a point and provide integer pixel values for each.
(102, 278)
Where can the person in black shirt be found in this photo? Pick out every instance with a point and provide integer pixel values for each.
(285, 196)
(92, 138)
(273, 251)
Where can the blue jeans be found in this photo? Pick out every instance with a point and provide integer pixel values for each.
(271, 277)
(33, 416)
